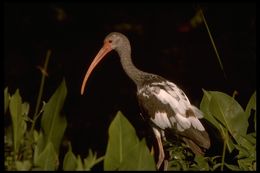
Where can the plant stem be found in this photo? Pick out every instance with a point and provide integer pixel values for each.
(213, 43)
(224, 152)
(44, 74)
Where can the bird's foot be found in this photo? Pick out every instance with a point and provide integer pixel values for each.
(165, 165)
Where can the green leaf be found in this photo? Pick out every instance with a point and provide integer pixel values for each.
(225, 135)
(232, 167)
(91, 160)
(202, 164)
(70, 160)
(251, 137)
(79, 164)
(6, 99)
(48, 159)
(25, 110)
(204, 106)
(145, 158)
(39, 147)
(8, 138)
(124, 149)
(247, 164)
(52, 123)
(251, 104)
(23, 165)
(229, 113)
(122, 138)
(214, 162)
(19, 125)
(139, 159)
(248, 142)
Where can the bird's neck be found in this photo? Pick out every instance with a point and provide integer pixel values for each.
(134, 73)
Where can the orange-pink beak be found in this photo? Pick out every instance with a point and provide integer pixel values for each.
(101, 54)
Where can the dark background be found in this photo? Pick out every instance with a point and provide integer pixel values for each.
(163, 43)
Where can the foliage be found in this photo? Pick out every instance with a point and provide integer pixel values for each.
(225, 113)
(31, 149)
(124, 150)
(38, 150)
(73, 163)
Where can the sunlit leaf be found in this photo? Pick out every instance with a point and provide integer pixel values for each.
(25, 109)
(89, 160)
(251, 137)
(52, 122)
(70, 160)
(79, 164)
(145, 158)
(139, 159)
(232, 167)
(23, 165)
(251, 104)
(8, 138)
(246, 151)
(247, 163)
(215, 166)
(248, 142)
(48, 159)
(124, 151)
(209, 115)
(39, 146)
(225, 135)
(204, 106)
(229, 113)
(35, 135)
(202, 163)
(18, 123)
(122, 139)
(243, 152)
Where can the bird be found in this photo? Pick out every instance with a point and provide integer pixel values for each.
(162, 103)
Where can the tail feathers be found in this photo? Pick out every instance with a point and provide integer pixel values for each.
(200, 138)
(194, 147)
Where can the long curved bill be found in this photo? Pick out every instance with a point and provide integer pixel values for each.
(101, 54)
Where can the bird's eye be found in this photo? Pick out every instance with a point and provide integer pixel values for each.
(109, 41)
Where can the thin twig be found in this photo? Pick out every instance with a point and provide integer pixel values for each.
(224, 151)
(213, 43)
(44, 74)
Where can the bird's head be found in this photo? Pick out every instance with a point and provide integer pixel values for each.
(116, 40)
(113, 41)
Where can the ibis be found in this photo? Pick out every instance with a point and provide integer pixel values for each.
(163, 104)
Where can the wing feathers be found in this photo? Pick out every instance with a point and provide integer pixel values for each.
(169, 107)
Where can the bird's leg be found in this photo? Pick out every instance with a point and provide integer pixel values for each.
(160, 146)
(165, 165)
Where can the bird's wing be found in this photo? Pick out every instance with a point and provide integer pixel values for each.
(168, 107)
(166, 102)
